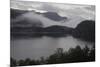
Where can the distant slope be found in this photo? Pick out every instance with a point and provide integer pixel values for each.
(54, 16)
(53, 31)
(58, 29)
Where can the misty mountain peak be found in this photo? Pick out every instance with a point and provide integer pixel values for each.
(54, 16)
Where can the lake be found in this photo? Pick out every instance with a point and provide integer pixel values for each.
(34, 48)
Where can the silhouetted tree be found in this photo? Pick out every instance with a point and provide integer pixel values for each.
(13, 62)
(21, 63)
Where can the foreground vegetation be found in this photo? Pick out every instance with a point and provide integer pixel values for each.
(76, 54)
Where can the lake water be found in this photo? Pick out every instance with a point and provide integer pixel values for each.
(34, 48)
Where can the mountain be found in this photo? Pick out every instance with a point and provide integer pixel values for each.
(58, 29)
(54, 16)
(46, 19)
(85, 30)
(16, 12)
(52, 31)
(21, 18)
(26, 23)
(31, 23)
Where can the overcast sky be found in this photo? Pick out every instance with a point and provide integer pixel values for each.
(66, 10)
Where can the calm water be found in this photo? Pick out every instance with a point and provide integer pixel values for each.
(34, 48)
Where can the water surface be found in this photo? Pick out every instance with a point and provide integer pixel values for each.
(34, 48)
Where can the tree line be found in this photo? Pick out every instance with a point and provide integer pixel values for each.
(76, 54)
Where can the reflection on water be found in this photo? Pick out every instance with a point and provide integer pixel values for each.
(34, 48)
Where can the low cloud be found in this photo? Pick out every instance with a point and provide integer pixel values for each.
(75, 13)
